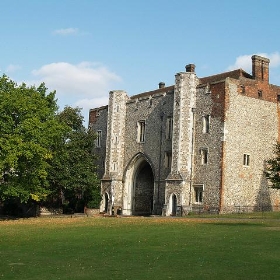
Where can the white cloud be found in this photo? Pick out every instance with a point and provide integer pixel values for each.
(66, 31)
(245, 61)
(12, 68)
(274, 59)
(86, 104)
(85, 85)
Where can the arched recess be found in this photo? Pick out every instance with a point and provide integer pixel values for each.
(104, 207)
(138, 195)
(172, 205)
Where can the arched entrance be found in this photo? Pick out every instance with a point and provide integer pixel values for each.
(138, 195)
(144, 190)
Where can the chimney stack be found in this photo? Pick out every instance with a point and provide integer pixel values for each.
(260, 68)
(161, 85)
(190, 68)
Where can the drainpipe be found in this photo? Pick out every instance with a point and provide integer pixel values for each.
(192, 155)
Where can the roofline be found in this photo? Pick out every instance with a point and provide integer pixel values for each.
(152, 92)
(99, 108)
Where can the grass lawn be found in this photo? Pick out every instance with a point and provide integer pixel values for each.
(246, 247)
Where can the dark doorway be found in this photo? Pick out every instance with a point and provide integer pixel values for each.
(106, 203)
(144, 190)
(174, 205)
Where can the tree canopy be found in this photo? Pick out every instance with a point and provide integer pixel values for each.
(73, 172)
(28, 129)
(43, 153)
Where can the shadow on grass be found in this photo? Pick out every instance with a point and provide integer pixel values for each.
(236, 224)
(8, 218)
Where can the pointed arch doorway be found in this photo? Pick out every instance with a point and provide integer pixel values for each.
(138, 196)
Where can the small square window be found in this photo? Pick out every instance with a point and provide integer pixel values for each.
(246, 160)
(260, 94)
(278, 97)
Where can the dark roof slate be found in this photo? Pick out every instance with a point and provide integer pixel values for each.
(148, 93)
(235, 74)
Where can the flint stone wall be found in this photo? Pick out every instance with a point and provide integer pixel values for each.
(251, 128)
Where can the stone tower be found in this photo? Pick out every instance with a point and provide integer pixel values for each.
(112, 179)
(178, 183)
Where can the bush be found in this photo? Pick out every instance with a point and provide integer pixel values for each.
(94, 204)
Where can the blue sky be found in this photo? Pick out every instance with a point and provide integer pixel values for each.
(85, 48)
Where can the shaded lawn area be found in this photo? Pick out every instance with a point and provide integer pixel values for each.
(139, 248)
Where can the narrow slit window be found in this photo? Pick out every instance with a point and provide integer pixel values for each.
(167, 159)
(141, 127)
(115, 166)
(246, 160)
(169, 128)
(206, 124)
(98, 139)
(204, 156)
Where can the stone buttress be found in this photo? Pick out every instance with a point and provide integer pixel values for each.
(111, 183)
(178, 182)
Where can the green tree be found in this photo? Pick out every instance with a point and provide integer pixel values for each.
(28, 129)
(73, 173)
(272, 169)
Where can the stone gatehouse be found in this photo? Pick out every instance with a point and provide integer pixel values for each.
(198, 145)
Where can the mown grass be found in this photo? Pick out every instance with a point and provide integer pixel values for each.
(140, 248)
